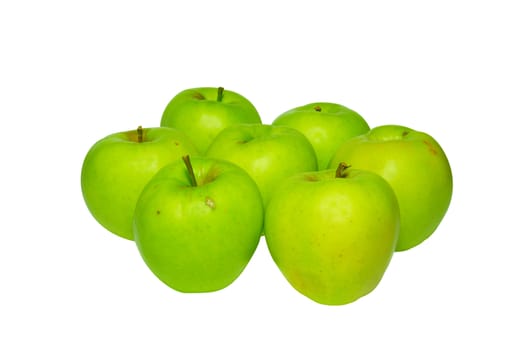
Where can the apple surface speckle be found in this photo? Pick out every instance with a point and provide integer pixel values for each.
(210, 203)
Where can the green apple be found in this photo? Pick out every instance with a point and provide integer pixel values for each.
(326, 125)
(268, 153)
(332, 233)
(117, 167)
(197, 223)
(203, 112)
(417, 169)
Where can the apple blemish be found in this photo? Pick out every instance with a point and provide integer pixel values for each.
(431, 147)
(198, 96)
(210, 203)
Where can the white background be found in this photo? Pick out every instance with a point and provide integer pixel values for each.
(73, 72)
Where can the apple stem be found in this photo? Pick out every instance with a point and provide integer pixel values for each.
(190, 169)
(317, 108)
(341, 170)
(139, 132)
(220, 94)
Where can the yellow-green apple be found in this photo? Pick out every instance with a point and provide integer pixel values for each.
(117, 167)
(326, 125)
(332, 233)
(197, 223)
(416, 167)
(203, 112)
(268, 153)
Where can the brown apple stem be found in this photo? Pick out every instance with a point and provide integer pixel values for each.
(190, 169)
(220, 94)
(317, 108)
(341, 170)
(139, 132)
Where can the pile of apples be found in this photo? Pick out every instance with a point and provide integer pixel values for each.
(334, 198)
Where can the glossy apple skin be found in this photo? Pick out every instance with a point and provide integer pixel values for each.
(326, 125)
(268, 153)
(117, 167)
(199, 114)
(416, 167)
(198, 239)
(333, 238)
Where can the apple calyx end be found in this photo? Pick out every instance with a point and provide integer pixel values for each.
(317, 108)
(219, 98)
(190, 170)
(341, 171)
